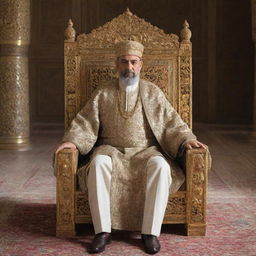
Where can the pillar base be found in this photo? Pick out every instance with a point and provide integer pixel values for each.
(15, 143)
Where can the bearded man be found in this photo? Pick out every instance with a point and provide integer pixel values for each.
(133, 135)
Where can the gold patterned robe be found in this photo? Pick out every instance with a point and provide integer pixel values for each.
(155, 128)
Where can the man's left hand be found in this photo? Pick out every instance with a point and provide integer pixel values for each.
(194, 144)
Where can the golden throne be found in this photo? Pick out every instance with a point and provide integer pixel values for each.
(89, 61)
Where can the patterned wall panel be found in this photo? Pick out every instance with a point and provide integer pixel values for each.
(49, 19)
(234, 60)
(48, 96)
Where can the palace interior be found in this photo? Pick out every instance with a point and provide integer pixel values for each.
(32, 118)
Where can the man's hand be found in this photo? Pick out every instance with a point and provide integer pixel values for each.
(66, 145)
(194, 144)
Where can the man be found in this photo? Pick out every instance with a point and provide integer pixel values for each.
(135, 134)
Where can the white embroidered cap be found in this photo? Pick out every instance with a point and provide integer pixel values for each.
(129, 47)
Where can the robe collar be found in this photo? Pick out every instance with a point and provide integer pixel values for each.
(128, 88)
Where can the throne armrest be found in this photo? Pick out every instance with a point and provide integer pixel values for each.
(197, 162)
(66, 162)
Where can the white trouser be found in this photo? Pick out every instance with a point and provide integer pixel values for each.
(157, 193)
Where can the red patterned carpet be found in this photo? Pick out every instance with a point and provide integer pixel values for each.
(27, 205)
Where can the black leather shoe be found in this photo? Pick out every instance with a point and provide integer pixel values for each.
(99, 242)
(151, 244)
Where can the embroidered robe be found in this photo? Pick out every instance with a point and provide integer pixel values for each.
(153, 129)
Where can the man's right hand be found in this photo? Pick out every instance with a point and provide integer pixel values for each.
(66, 145)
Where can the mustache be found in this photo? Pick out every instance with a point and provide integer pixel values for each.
(126, 72)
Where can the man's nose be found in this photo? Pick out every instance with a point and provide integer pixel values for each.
(130, 66)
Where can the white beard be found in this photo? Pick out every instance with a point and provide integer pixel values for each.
(128, 81)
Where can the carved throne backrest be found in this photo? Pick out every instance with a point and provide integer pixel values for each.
(90, 58)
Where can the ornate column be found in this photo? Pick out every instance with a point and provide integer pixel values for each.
(14, 82)
(253, 7)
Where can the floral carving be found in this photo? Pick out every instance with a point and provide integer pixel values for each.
(185, 69)
(176, 206)
(70, 49)
(185, 89)
(65, 216)
(98, 75)
(82, 206)
(65, 173)
(198, 190)
(197, 210)
(71, 88)
(185, 49)
(198, 178)
(157, 75)
(128, 26)
(65, 189)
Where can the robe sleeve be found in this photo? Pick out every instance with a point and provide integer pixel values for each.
(83, 130)
(168, 127)
(177, 132)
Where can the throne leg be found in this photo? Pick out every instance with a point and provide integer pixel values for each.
(197, 177)
(67, 232)
(196, 229)
(65, 166)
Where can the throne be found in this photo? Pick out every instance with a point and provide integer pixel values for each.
(89, 60)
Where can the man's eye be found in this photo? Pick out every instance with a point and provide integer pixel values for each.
(133, 62)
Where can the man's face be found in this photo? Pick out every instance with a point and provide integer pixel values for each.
(128, 66)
